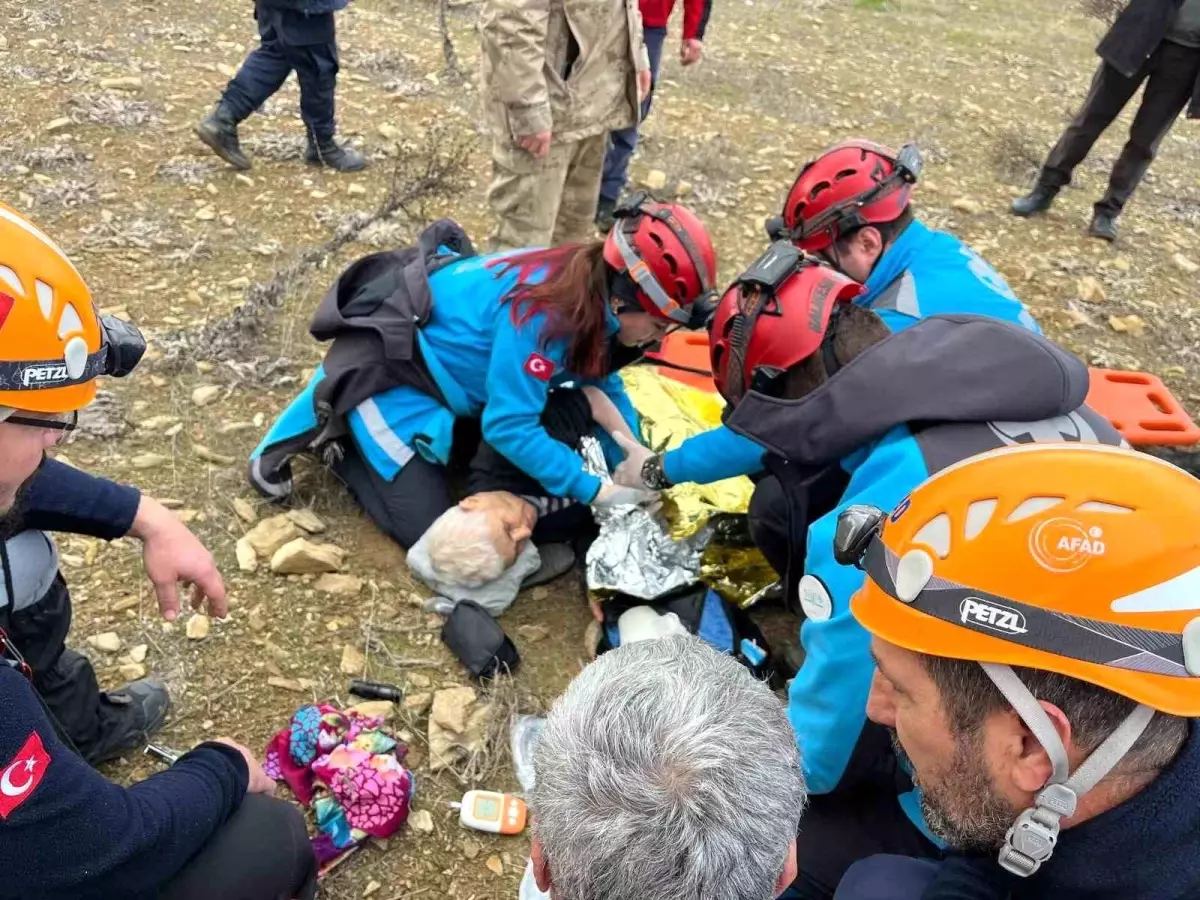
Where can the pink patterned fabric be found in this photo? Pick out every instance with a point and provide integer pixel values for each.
(348, 768)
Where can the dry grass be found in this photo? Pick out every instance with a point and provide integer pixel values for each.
(109, 109)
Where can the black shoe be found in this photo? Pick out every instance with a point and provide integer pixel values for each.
(1104, 226)
(331, 153)
(605, 219)
(557, 559)
(129, 715)
(219, 130)
(1036, 201)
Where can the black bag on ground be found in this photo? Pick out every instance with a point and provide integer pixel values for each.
(478, 641)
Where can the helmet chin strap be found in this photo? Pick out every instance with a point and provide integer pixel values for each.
(1031, 839)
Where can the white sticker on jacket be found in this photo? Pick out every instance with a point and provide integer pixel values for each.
(815, 599)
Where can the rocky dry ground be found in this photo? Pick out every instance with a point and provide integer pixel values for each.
(97, 103)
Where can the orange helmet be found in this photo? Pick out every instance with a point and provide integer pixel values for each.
(1078, 559)
(53, 344)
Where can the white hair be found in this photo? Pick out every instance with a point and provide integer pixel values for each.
(667, 771)
(461, 549)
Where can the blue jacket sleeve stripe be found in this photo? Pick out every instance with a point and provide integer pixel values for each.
(827, 701)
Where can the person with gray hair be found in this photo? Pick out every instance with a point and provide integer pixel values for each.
(666, 771)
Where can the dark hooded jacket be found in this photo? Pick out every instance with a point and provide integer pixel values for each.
(1136, 34)
(942, 390)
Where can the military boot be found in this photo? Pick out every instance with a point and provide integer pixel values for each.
(1104, 226)
(219, 130)
(1036, 201)
(605, 218)
(128, 716)
(329, 153)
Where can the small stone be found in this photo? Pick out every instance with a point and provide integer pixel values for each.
(212, 456)
(470, 848)
(306, 520)
(243, 178)
(375, 709)
(341, 585)
(206, 394)
(127, 83)
(257, 622)
(533, 633)
(318, 195)
(372, 887)
(206, 214)
(198, 627)
(108, 642)
(301, 557)
(138, 653)
(1122, 263)
(390, 132)
(58, 124)
(157, 423)
(297, 685)
(495, 865)
(132, 671)
(356, 190)
(541, 593)
(655, 180)
(452, 707)
(245, 510)
(149, 460)
(683, 189)
(125, 603)
(247, 559)
(418, 704)
(417, 680)
(1090, 290)
(1185, 264)
(967, 205)
(353, 662)
(227, 70)
(421, 821)
(270, 534)
(1130, 324)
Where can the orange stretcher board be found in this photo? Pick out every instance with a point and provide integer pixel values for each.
(1139, 405)
(1142, 408)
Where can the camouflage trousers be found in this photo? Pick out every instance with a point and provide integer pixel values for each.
(545, 202)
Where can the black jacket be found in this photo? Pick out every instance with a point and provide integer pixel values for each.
(1136, 34)
(67, 833)
(308, 7)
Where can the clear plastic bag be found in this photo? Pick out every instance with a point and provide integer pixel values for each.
(529, 889)
(523, 736)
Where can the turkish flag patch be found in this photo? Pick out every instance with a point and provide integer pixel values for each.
(539, 367)
(20, 778)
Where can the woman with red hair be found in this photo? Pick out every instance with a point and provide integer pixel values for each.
(505, 331)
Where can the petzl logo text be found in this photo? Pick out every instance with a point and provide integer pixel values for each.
(49, 373)
(974, 611)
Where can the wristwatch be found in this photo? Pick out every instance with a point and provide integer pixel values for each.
(653, 475)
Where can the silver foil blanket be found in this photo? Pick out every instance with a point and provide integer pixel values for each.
(635, 554)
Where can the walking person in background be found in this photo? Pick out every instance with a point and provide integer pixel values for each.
(557, 76)
(1156, 41)
(623, 142)
(295, 35)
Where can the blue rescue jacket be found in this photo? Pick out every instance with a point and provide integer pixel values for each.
(924, 273)
(1010, 386)
(486, 367)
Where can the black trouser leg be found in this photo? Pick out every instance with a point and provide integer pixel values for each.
(404, 507)
(262, 74)
(1173, 73)
(839, 829)
(65, 679)
(261, 853)
(1109, 93)
(316, 68)
(768, 516)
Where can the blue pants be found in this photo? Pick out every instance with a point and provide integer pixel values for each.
(887, 878)
(290, 41)
(621, 144)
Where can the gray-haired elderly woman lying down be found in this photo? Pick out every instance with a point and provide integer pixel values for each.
(506, 534)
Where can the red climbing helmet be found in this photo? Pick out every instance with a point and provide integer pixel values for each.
(773, 316)
(851, 184)
(667, 254)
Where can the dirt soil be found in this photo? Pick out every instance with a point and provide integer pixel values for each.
(97, 105)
